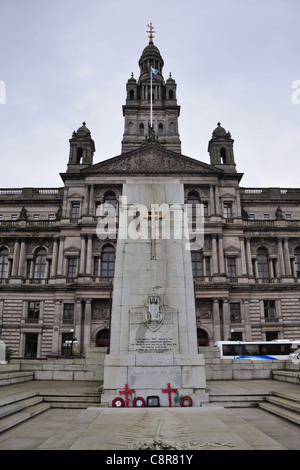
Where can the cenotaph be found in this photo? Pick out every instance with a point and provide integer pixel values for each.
(153, 346)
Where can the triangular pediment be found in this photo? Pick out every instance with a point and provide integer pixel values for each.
(151, 159)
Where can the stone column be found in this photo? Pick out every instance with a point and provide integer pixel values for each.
(82, 255)
(87, 325)
(54, 258)
(226, 319)
(249, 259)
(77, 333)
(243, 258)
(247, 320)
(280, 258)
(86, 200)
(214, 255)
(15, 265)
(216, 320)
(211, 200)
(21, 267)
(91, 202)
(65, 203)
(60, 257)
(271, 270)
(217, 201)
(238, 203)
(287, 257)
(221, 256)
(89, 255)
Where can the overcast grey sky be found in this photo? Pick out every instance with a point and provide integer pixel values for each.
(63, 62)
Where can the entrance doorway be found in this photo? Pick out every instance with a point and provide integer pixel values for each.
(31, 342)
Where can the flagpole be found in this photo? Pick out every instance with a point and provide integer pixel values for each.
(150, 96)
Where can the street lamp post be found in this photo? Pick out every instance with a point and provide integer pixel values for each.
(70, 342)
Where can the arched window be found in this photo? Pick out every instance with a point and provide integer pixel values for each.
(142, 129)
(171, 94)
(40, 263)
(193, 200)
(202, 337)
(197, 264)
(131, 94)
(223, 156)
(108, 262)
(160, 129)
(3, 263)
(79, 155)
(262, 263)
(102, 338)
(297, 261)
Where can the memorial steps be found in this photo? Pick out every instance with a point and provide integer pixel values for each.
(19, 407)
(285, 405)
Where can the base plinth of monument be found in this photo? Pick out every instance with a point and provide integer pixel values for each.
(149, 374)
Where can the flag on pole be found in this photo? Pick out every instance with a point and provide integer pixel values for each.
(153, 72)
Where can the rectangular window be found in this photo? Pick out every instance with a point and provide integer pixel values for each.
(14, 217)
(72, 269)
(68, 313)
(267, 216)
(75, 210)
(231, 267)
(235, 312)
(288, 216)
(269, 310)
(227, 210)
(251, 216)
(33, 313)
(205, 209)
(197, 264)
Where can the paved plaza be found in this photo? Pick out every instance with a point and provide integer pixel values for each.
(209, 427)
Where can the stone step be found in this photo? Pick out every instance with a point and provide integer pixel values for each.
(280, 411)
(235, 401)
(69, 399)
(19, 405)
(77, 405)
(284, 403)
(8, 378)
(21, 416)
(287, 376)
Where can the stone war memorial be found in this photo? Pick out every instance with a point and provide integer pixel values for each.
(153, 347)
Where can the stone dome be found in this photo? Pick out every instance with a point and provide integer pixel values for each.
(83, 130)
(219, 131)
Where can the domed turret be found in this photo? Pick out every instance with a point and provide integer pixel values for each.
(82, 148)
(220, 149)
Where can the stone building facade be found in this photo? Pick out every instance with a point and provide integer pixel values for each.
(56, 272)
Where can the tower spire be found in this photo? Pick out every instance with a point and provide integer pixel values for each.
(151, 31)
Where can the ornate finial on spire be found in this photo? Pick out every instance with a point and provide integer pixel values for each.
(151, 37)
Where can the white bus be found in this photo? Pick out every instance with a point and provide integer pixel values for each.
(266, 350)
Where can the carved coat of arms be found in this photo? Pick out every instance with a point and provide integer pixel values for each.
(153, 313)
